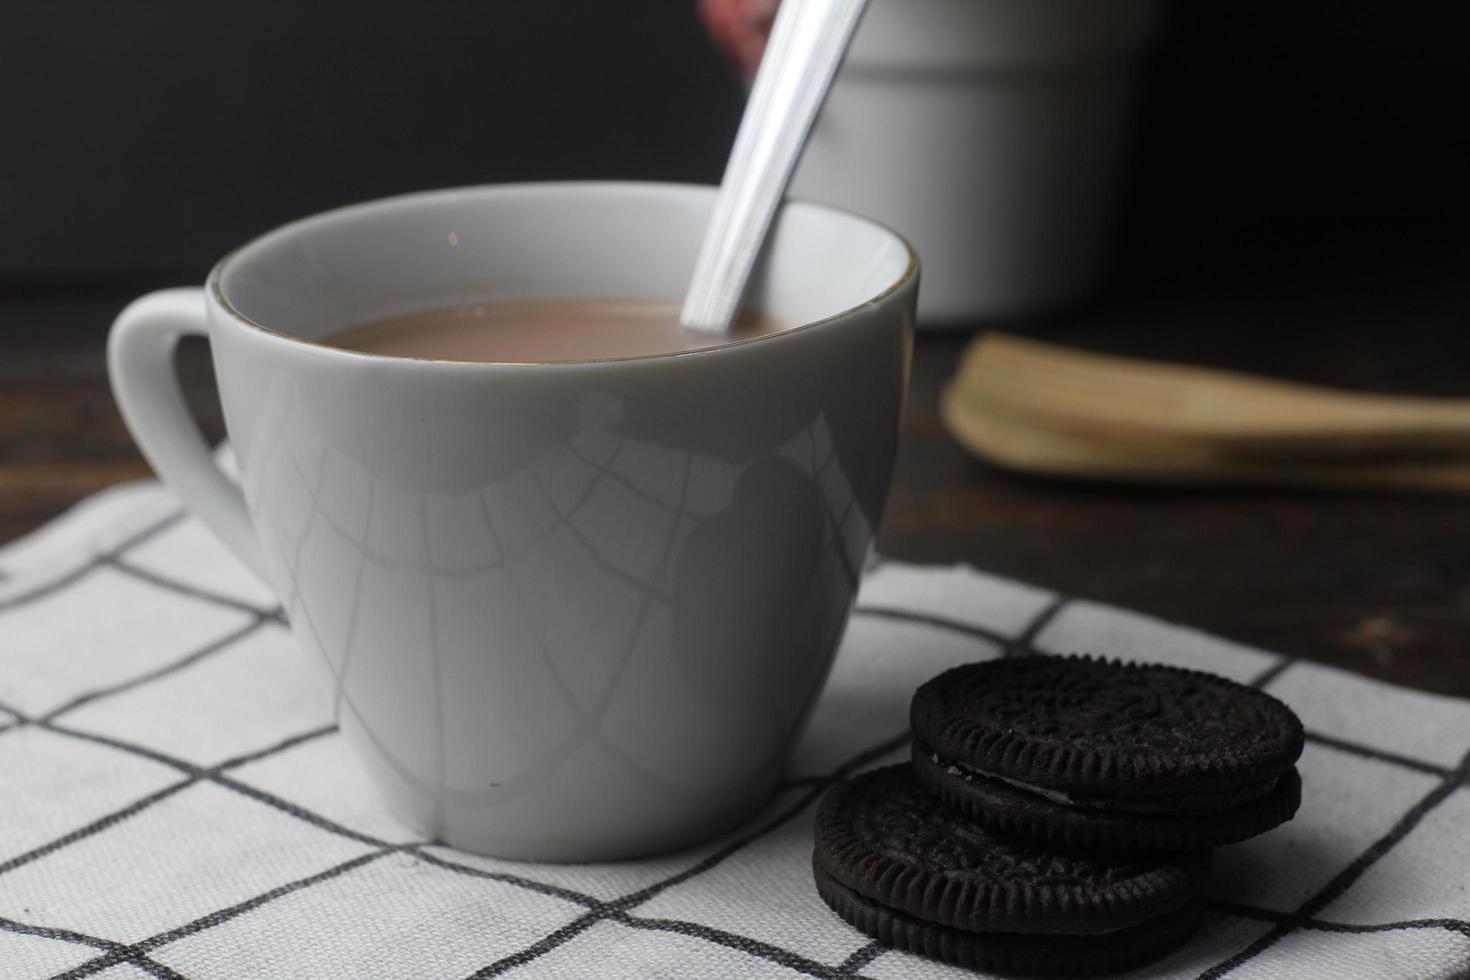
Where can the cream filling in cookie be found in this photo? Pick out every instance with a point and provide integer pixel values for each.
(1062, 796)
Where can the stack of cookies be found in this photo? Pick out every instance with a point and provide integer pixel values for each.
(1058, 814)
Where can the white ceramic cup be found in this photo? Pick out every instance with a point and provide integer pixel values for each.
(564, 611)
(993, 132)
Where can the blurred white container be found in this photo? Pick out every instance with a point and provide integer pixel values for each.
(991, 133)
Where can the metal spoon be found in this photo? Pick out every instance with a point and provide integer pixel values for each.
(808, 40)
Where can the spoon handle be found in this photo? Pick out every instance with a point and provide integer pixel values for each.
(808, 40)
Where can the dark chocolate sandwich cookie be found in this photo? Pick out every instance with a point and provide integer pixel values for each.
(1088, 753)
(919, 877)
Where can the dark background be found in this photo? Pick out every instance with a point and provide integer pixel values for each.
(141, 140)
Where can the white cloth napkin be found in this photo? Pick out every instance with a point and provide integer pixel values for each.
(174, 800)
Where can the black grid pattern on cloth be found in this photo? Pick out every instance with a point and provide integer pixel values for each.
(114, 953)
(619, 910)
(1304, 916)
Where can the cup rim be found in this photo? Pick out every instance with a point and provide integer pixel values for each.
(215, 291)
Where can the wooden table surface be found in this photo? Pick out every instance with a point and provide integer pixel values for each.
(1374, 583)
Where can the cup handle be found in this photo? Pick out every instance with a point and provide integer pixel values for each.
(140, 362)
